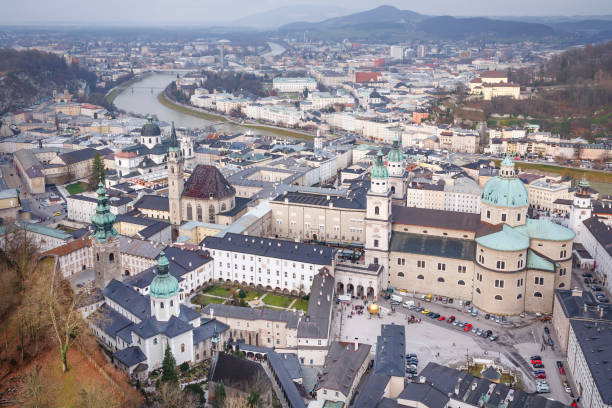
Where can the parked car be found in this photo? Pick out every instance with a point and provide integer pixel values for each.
(540, 375)
(603, 300)
(493, 337)
(542, 388)
(596, 288)
(419, 309)
(451, 319)
(479, 332)
(467, 327)
(425, 311)
(546, 330)
(568, 389)
(538, 365)
(497, 319)
(489, 333)
(474, 329)
(474, 312)
(536, 357)
(504, 320)
(487, 316)
(536, 360)
(411, 356)
(492, 317)
(441, 318)
(587, 275)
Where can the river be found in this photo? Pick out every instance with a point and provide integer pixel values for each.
(141, 98)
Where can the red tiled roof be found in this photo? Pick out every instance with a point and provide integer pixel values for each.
(207, 182)
(69, 247)
(367, 76)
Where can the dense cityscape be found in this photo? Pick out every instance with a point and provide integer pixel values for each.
(373, 209)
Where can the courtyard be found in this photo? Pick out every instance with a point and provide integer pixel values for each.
(252, 297)
(442, 343)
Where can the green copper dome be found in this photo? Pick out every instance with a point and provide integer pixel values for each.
(380, 170)
(150, 128)
(103, 220)
(584, 183)
(505, 190)
(396, 155)
(163, 285)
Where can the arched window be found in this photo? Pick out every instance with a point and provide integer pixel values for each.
(392, 189)
(440, 279)
(501, 265)
(199, 212)
(537, 294)
(420, 277)
(478, 290)
(182, 347)
(520, 263)
(98, 257)
(189, 212)
(172, 169)
(223, 207)
(400, 274)
(111, 257)
(498, 297)
(376, 210)
(171, 303)
(161, 305)
(461, 282)
(519, 296)
(562, 285)
(211, 213)
(480, 259)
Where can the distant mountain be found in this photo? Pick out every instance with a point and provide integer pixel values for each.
(453, 27)
(391, 24)
(273, 19)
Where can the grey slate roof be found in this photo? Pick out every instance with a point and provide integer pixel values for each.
(601, 232)
(582, 305)
(435, 218)
(425, 394)
(391, 351)
(595, 341)
(150, 327)
(372, 391)
(128, 298)
(79, 155)
(434, 246)
(315, 323)
(207, 328)
(247, 313)
(138, 247)
(109, 320)
(285, 380)
(130, 356)
(152, 202)
(355, 200)
(274, 248)
(341, 366)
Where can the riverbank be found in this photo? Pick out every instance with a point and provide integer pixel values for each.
(112, 95)
(596, 176)
(161, 97)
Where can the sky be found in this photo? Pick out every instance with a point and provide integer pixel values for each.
(206, 12)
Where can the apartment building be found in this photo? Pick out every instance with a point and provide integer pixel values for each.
(297, 84)
(81, 207)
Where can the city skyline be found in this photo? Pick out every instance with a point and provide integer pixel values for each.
(194, 12)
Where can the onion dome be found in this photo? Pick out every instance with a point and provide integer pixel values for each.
(150, 128)
(103, 220)
(505, 190)
(396, 155)
(163, 285)
(379, 170)
(373, 308)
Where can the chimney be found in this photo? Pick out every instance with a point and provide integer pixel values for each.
(601, 312)
(356, 344)
(212, 313)
(584, 307)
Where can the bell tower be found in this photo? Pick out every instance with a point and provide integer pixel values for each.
(176, 163)
(397, 174)
(582, 209)
(378, 216)
(105, 242)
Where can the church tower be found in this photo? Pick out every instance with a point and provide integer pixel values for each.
(582, 209)
(164, 292)
(397, 174)
(105, 242)
(318, 142)
(176, 163)
(378, 216)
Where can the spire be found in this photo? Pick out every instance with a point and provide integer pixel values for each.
(162, 264)
(174, 145)
(396, 155)
(103, 220)
(507, 168)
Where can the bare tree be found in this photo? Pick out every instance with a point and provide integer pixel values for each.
(171, 396)
(97, 396)
(35, 391)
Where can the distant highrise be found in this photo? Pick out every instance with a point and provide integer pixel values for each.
(397, 52)
(421, 51)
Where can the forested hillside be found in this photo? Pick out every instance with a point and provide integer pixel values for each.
(27, 77)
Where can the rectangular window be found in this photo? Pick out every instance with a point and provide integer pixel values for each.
(441, 267)
(375, 243)
(539, 280)
(499, 283)
(503, 217)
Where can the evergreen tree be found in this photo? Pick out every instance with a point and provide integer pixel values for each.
(169, 371)
(253, 399)
(219, 395)
(98, 172)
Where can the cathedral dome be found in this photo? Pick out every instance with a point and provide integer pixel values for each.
(150, 128)
(163, 285)
(505, 190)
(396, 155)
(379, 170)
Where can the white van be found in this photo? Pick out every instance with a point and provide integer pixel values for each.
(408, 304)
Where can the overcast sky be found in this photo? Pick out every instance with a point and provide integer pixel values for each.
(196, 12)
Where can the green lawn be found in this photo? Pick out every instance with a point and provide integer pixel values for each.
(272, 308)
(300, 304)
(218, 291)
(204, 300)
(77, 188)
(600, 176)
(252, 294)
(276, 300)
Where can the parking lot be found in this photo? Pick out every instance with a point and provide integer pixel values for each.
(443, 343)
